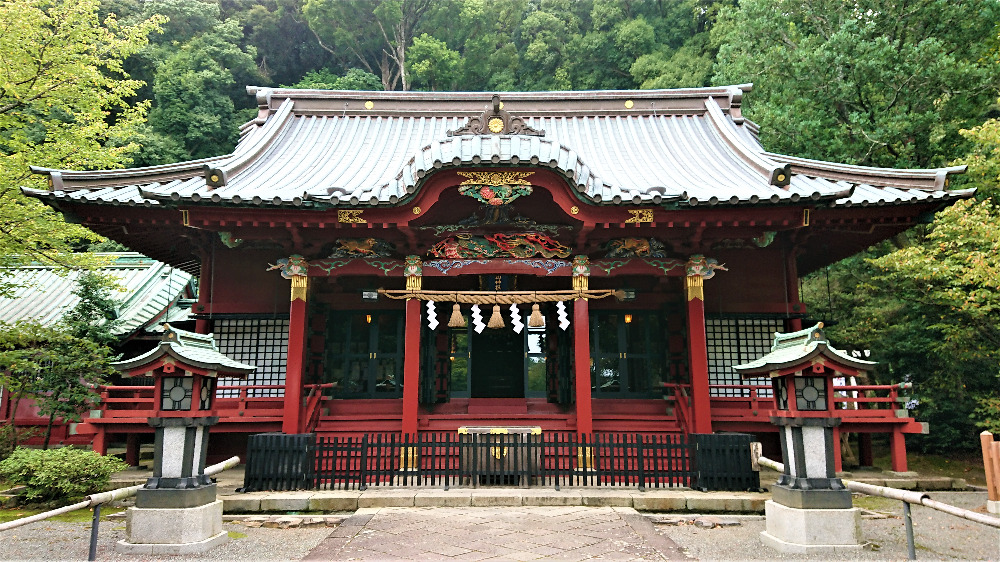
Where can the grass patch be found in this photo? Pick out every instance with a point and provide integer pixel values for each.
(877, 503)
(78, 516)
(234, 535)
(967, 465)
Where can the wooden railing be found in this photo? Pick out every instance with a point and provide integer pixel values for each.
(120, 402)
(856, 403)
(991, 462)
(314, 401)
(681, 397)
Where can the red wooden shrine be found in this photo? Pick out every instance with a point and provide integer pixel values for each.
(661, 244)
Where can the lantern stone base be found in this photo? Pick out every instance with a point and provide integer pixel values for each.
(190, 530)
(993, 506)
(811, 531)
(812, 499)
(174, 498)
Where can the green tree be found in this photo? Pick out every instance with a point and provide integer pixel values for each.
(875, 82)
(374, 34)
(95, 316)
(64, 103)
(57, 369)
(195, 87)
(432, 64)
(353, 79)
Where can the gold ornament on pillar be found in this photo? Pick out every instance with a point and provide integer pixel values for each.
(581, 273)
(695, 287)
(413, 270)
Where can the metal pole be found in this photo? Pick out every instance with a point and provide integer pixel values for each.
(93, 533)
(911, 549)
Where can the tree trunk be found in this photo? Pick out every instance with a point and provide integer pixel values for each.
(13, 420)
(48, 433)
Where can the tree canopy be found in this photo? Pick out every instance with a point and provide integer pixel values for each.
(65, 101)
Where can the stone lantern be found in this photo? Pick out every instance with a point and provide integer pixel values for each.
(177, 512)
(810, 510)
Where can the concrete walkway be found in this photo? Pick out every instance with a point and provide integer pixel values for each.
(479, 533)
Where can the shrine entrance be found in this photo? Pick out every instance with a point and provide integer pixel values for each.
(497, 361)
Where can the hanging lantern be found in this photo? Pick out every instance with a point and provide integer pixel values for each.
(457, 320)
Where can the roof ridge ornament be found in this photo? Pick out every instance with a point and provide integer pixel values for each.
(496, 121)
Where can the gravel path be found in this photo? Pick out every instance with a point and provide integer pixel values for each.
(939, 537)
(71, 541)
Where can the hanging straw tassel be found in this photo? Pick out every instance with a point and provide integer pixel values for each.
(457, 320)
(535, 320)
(496, 321)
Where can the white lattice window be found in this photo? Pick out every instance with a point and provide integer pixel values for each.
(262, 342)
(733, 340)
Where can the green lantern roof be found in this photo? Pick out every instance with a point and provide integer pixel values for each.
(189, 348)
(796, 348)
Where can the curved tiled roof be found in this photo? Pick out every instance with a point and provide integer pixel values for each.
(797, 348)
(150, 292)
(346, 148)
(196, 350)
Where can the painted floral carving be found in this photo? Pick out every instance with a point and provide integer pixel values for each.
(292, 266)
(523, 245)
(414, 267)
(699, 265)
(495, 188)
(495, 195)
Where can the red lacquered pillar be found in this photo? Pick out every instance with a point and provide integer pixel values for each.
(411, 367)
(581, 357)
(701, 404)
(298, 327)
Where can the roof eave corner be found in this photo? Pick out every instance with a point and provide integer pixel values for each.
(941, 177)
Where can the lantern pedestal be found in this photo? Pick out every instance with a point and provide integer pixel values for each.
(811, 531)
(177, 511)
(811, 510)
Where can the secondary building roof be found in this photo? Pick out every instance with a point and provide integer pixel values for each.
(150, 293)
(320, 149)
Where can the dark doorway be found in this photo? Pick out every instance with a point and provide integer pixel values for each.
(497, 364)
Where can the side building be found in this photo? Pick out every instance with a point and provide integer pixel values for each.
(150, 294)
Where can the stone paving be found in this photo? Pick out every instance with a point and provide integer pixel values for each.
(510, 534)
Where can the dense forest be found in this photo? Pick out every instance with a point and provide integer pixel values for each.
(889, 83)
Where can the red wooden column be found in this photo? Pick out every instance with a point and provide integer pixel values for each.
(581, 351)
(298, 328)
(701, 405)
(411, 367)
(897, 450)
(413, 271)
(581, 357)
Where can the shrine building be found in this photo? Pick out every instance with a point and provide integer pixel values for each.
(415, 262)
